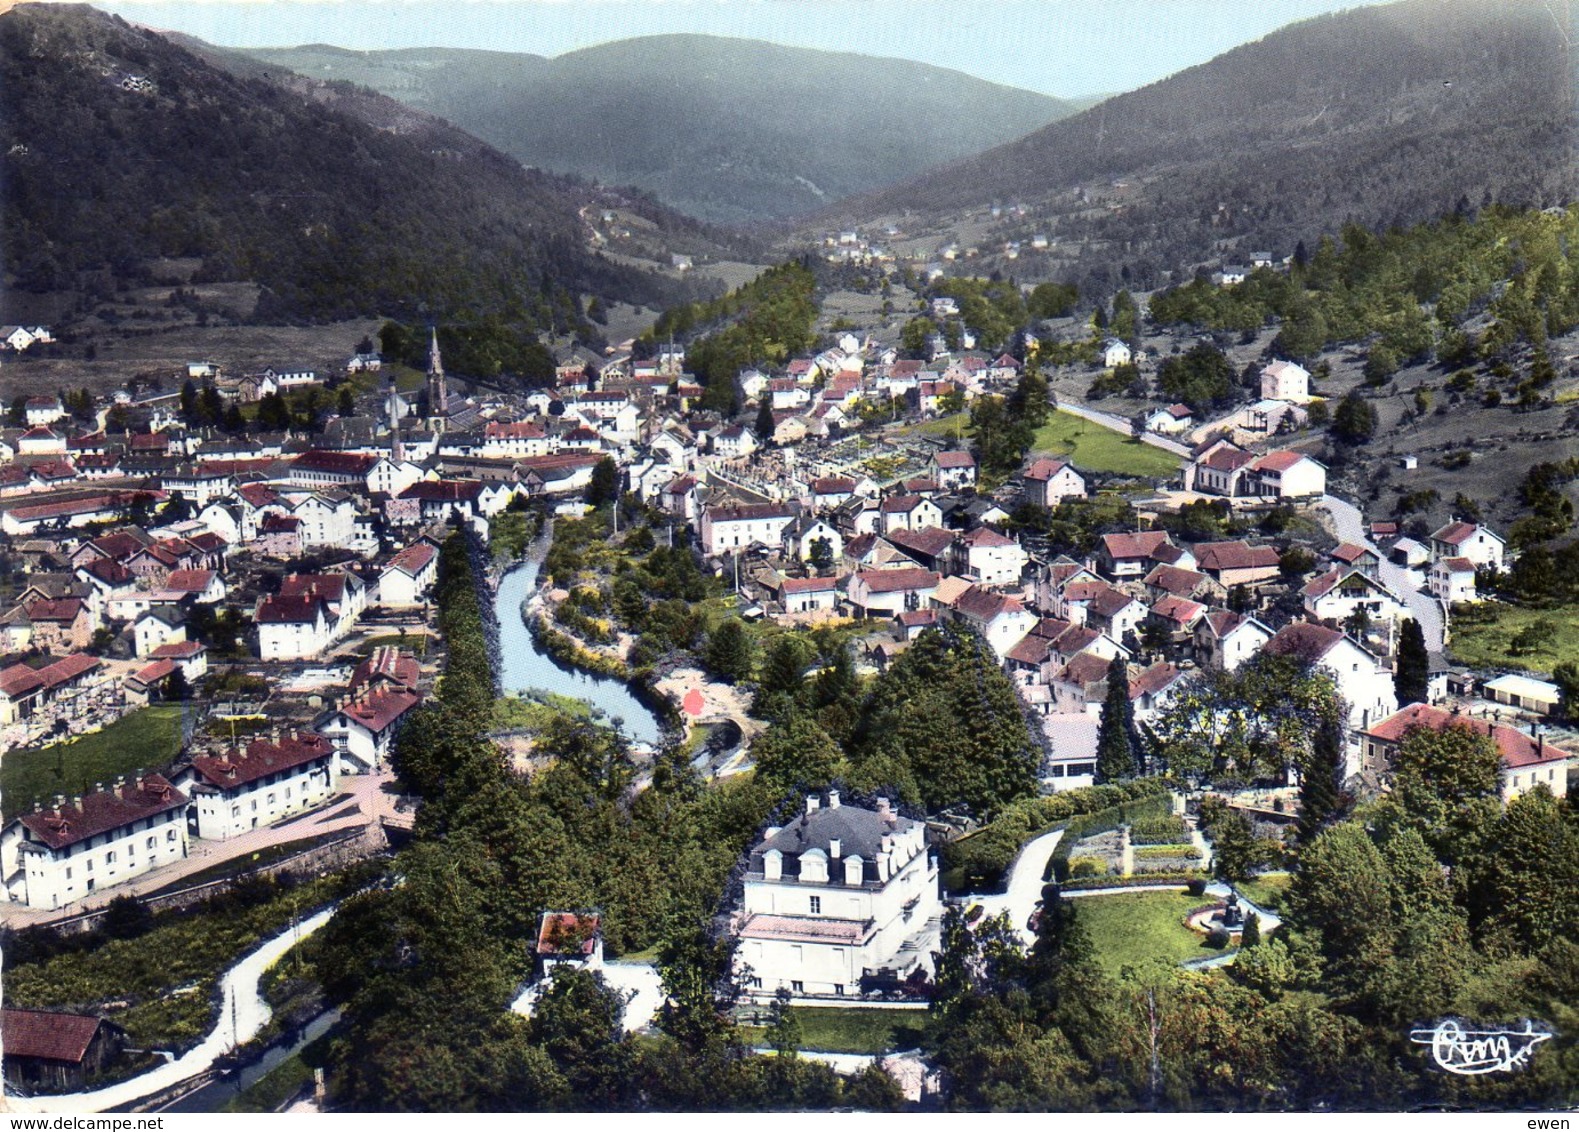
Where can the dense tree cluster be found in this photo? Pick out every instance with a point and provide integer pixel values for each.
(771, 320)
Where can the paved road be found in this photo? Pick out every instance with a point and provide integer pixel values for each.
(1349, 523)
(241, 1016)
(1024, 888)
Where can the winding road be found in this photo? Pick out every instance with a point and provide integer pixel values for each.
(1024, 887)
(241, 1017)
(1349, 524)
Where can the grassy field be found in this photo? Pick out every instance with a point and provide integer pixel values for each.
(1093, 448)
(832, 1029)
(148, 738)
(1480, 639)
(1266, 891)
(1131, 927)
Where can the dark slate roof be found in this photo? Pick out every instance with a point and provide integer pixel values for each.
(858, 830)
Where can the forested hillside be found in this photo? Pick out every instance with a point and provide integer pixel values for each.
(723, 129)
(1380, 115)
(120, 147)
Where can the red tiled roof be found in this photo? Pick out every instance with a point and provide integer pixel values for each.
(1457, 565)
(901, 504)
(1133, 544)
(911, 618)
(931, 541)
(190, 581)
(1517, 748)
(261, 758)
(65, 610)
(1176, 580)
(1153, 680)
(179, 650)
(560, 931)
(1181, 611)
(381, 707)
(954, 460)
(1455, 533)
(1280, 461)
(1228, 459)
(1235, 555)
(389, 665)
(279, 609)
(46, 1035)
(329, 587)
(832, 485)
(514, 430)
(1083, 670)
(103, 811)
(743, 511)
(807, 585)
(894, 581)
(984, 605)
(1031, 649)
(151, 674)
(335, 463)
(1044, 468)
(1350, 552)
(413, 559)
(1305, 641)
(985, 537)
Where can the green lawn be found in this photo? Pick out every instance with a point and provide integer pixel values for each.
(833, 1029)
(1266, 891)
(1481, 636)
(1131, 927)
(148, 738)
(414, 643)
(1095, 448)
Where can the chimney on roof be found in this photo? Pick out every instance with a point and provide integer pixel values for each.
(833, 799)
(834, 848)
(813, 803)
(76, 801)
(882, 806)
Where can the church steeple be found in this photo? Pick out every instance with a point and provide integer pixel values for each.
(438, 390)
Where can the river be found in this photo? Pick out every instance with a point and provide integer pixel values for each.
(523, 667)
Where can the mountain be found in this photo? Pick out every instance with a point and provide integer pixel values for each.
(728, 130)
(1381, 115)
(119, 148)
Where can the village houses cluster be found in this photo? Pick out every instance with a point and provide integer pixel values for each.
(133, 540)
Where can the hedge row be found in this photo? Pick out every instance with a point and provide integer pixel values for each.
(985, 855)
(1182, 880)
(1102, 821)
(1166, 830)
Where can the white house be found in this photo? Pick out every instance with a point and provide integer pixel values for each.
(251, 787)
(953, 470)
(1339, 594)
(1480, 545)
(1002, 620)
(884, 593)
(54, 857)
(1170, 421)
(1365, 685)
(1225, 640)
(727, 528)
(1286, 474)
(989, 557)
(363, 727)
(840, 900)
(1115, 353)
(1528, 760)
(158, 626)
(809, 595)
(409, 575)
(909, 512)
(292, 628)
(804, 536)
(735, 441)
(328, 518)
(1453, 580)
(1049, 482)
(1285, 381)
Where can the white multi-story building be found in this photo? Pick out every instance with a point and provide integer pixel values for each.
(735, 528)
(840, 895)
(1479, 545)
(251, 787)
(1285, 381)
(363, 728)
(409, 575)
(54, 857)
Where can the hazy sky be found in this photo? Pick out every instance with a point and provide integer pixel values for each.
(1059, 47)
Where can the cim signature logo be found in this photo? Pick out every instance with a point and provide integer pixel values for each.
(1470, 1053)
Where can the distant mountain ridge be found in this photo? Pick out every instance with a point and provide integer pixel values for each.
(723, 129)
(1382, 115)
(118, 147)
